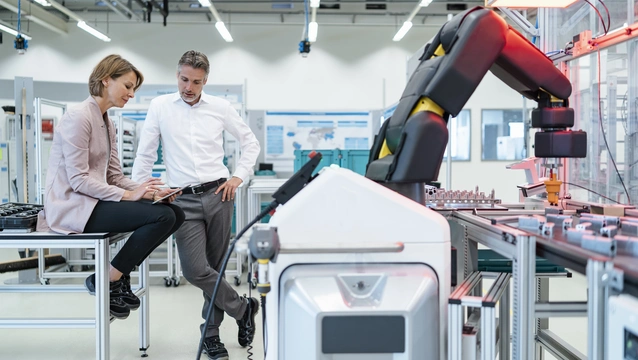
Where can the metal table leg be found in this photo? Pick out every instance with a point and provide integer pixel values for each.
(169, 258)
(597, 295)
(542, 295)
(102, 312)
(144, 308)
(455, 331)
(488, 331)
(523, 272)
(504, 325)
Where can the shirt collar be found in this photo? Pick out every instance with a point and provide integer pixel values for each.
(202, 98)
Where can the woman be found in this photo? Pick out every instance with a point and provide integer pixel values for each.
(87, 192)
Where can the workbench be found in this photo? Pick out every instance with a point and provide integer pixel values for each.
(100, 242)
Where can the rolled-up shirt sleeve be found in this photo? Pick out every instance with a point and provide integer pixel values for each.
(248, 143)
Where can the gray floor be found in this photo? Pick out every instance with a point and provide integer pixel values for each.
(175, 315)
(175, 319)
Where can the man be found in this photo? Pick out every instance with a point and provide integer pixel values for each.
(190, 125)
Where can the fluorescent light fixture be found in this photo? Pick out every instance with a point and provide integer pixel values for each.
(314, 3)
(402, 31)
(42, 2)
(83, 25)
(205, 3)
(425, 3)
(223, 31)
(313, 29)
(529, 3)
(14, 32)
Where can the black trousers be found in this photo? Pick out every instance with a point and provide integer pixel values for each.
(151, 226)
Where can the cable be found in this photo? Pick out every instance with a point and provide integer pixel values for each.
(272, 206)
(600, 16)
(608, 16)
(602, 129)
(249, 350)
(265, 327)
(593, 192)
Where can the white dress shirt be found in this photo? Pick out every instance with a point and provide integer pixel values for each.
(192, 141)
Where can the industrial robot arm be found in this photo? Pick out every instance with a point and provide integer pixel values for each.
(410, 146)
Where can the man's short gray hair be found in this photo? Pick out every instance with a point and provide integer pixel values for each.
(194, 59)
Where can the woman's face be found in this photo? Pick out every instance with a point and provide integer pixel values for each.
(119, 91)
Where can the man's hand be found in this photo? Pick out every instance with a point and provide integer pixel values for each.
(229, 188)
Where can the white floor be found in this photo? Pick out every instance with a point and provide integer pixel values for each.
(175, 318)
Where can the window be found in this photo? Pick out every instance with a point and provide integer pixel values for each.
(460, 136)
(503, 135)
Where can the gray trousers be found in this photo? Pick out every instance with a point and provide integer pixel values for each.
(202, 242)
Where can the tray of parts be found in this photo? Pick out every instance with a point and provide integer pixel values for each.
(14, 216)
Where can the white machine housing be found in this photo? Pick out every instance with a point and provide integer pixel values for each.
(622, 328)
(342, 207)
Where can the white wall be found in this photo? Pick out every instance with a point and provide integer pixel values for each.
(346, 70)
(488, 175)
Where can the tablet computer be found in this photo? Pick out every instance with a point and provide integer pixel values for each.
(171, 194)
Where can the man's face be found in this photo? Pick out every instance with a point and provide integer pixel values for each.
(190, 83)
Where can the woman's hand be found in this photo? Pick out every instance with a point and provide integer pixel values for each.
(158, 194)
(144, 191)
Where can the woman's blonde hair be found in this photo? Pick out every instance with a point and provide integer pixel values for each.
(112, 66)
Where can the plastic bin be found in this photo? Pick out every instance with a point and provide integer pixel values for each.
(490, 261)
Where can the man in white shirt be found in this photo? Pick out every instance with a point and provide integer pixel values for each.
(190, 125)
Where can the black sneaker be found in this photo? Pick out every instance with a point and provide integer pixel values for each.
(214, 348)
(247, 323)
(117, 307)
(127, 295)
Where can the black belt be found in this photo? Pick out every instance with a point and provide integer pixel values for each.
(202, 188)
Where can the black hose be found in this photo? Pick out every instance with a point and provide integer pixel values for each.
(272, 206)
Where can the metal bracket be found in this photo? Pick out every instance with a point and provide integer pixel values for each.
(614, 278)
(535, 222)
(520, 20)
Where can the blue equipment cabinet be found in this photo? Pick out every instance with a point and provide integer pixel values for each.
(355, 160)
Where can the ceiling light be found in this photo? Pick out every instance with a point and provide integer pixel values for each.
(425, 3)
(402, 31)
(14, 32)
(223, 31)
(529, 3)
(314, 3)
(313, 29)
(83, 25)
(205, 3)
(42, 2)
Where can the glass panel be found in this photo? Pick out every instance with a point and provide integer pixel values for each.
(569, 22)
(460, 135)
(617, 10)
(605, 100)
(503, 134)
(581, 16)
